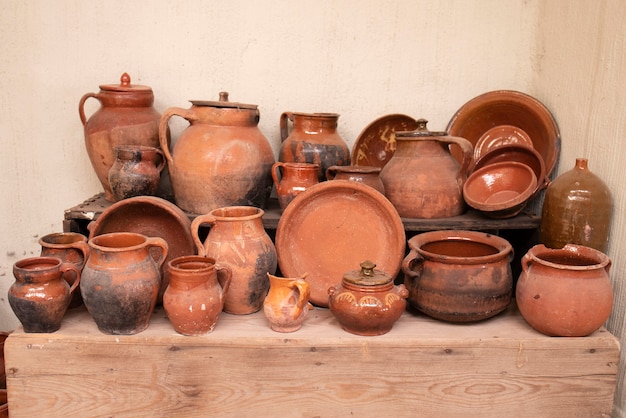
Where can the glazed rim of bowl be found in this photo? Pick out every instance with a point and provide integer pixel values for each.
(482, 240)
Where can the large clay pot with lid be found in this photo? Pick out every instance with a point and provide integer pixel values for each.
(313, 139)
(423, 179)
(221, 159)
(126, 117)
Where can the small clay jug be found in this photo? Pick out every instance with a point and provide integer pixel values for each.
(126, 117)
(194, 297)
(366, 302)
(368, 175)
(577, 209)
(423, 179)
(136, 171)
(238, 240)
(565, 292)
(70, 247)
(292, 179)
(121, 280)
(287, 303)
(313, 139)
(40, 295)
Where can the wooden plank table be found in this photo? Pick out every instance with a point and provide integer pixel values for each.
(496, 368)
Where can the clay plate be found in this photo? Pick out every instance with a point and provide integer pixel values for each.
(332, 227)
(375, 145)
(499, 136)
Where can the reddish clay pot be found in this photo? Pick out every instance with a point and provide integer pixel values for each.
(136, 171)
(40, 295)
(292, 179)
(221, 159)
(314, 139)
(360, 173)
(195, 296)
(459, 276)
(422, 179)
(126, 117)
(121, 280)
(238, 240)
(565, 292)
(287, 303)
(366, 302)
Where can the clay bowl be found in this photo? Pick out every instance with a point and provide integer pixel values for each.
(500, 190)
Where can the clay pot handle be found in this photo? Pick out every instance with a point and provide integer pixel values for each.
(331, 172)
(467, 148)
(224, 277)
(411, 262)
(161, 164)
(158, 242)
(304, 293)
(526, 262)
(275, 170)
(187, 114)
(83, 247)
(69, 267)
(284, 129)
(195, 226)
(81, 106)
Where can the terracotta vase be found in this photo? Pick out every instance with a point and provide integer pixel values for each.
(238, 240)
(287, 303)
(195, 296)
(565, 292)
(121, 280)
(70, 247)
(313, 139)
(459, 276)
(292, 179)
(126, 117)
(222, 159)
(136, 171)
(366, 302)
(40, 295)
(422, 179)
(577, 209)
(360, 173)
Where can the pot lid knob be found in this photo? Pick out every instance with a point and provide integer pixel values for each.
(367, 276)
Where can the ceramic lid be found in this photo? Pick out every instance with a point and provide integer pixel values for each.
(420, 132)
(367, 276)
(126, 86)
(223, 103)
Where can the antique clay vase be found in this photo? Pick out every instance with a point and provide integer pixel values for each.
(368, 175)
(136, 171)
(422, 179)
(221, 159)
(292, 179)
(70, 247)
(238, 240)
(576, 209)
(194, 297)
(121, 280)
(313, 139)
(125, 117)
(287, 303)
(458, 276)
(40, 295)
(565, 292)
(366, 302)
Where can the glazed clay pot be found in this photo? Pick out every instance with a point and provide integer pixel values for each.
(195, 296)
(221, 159)
(565, 292)
(136, 171)
(238, 240)
(363, 174)
(577, 209)
(292, 179)
(40, 295)
(366, 302)
(458, 276)
(287, 303)
(422, 179)
(314, 139)
(126, 117)
(121, 280)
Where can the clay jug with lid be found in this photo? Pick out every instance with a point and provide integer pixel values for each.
(360, 173)
(291, 179)
(221, 159)
(136, 171)
(577, 209)
(287, 303)
(313, 139)
(422, 179)
(125, 117)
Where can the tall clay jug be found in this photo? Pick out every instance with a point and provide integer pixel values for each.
(422, 179)
(291, 179)
(136, 171)
(221, 159)
(125, 117)
(238, 240)
(121, 279)
(314, 139)
(287, 303)
(577, 209)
